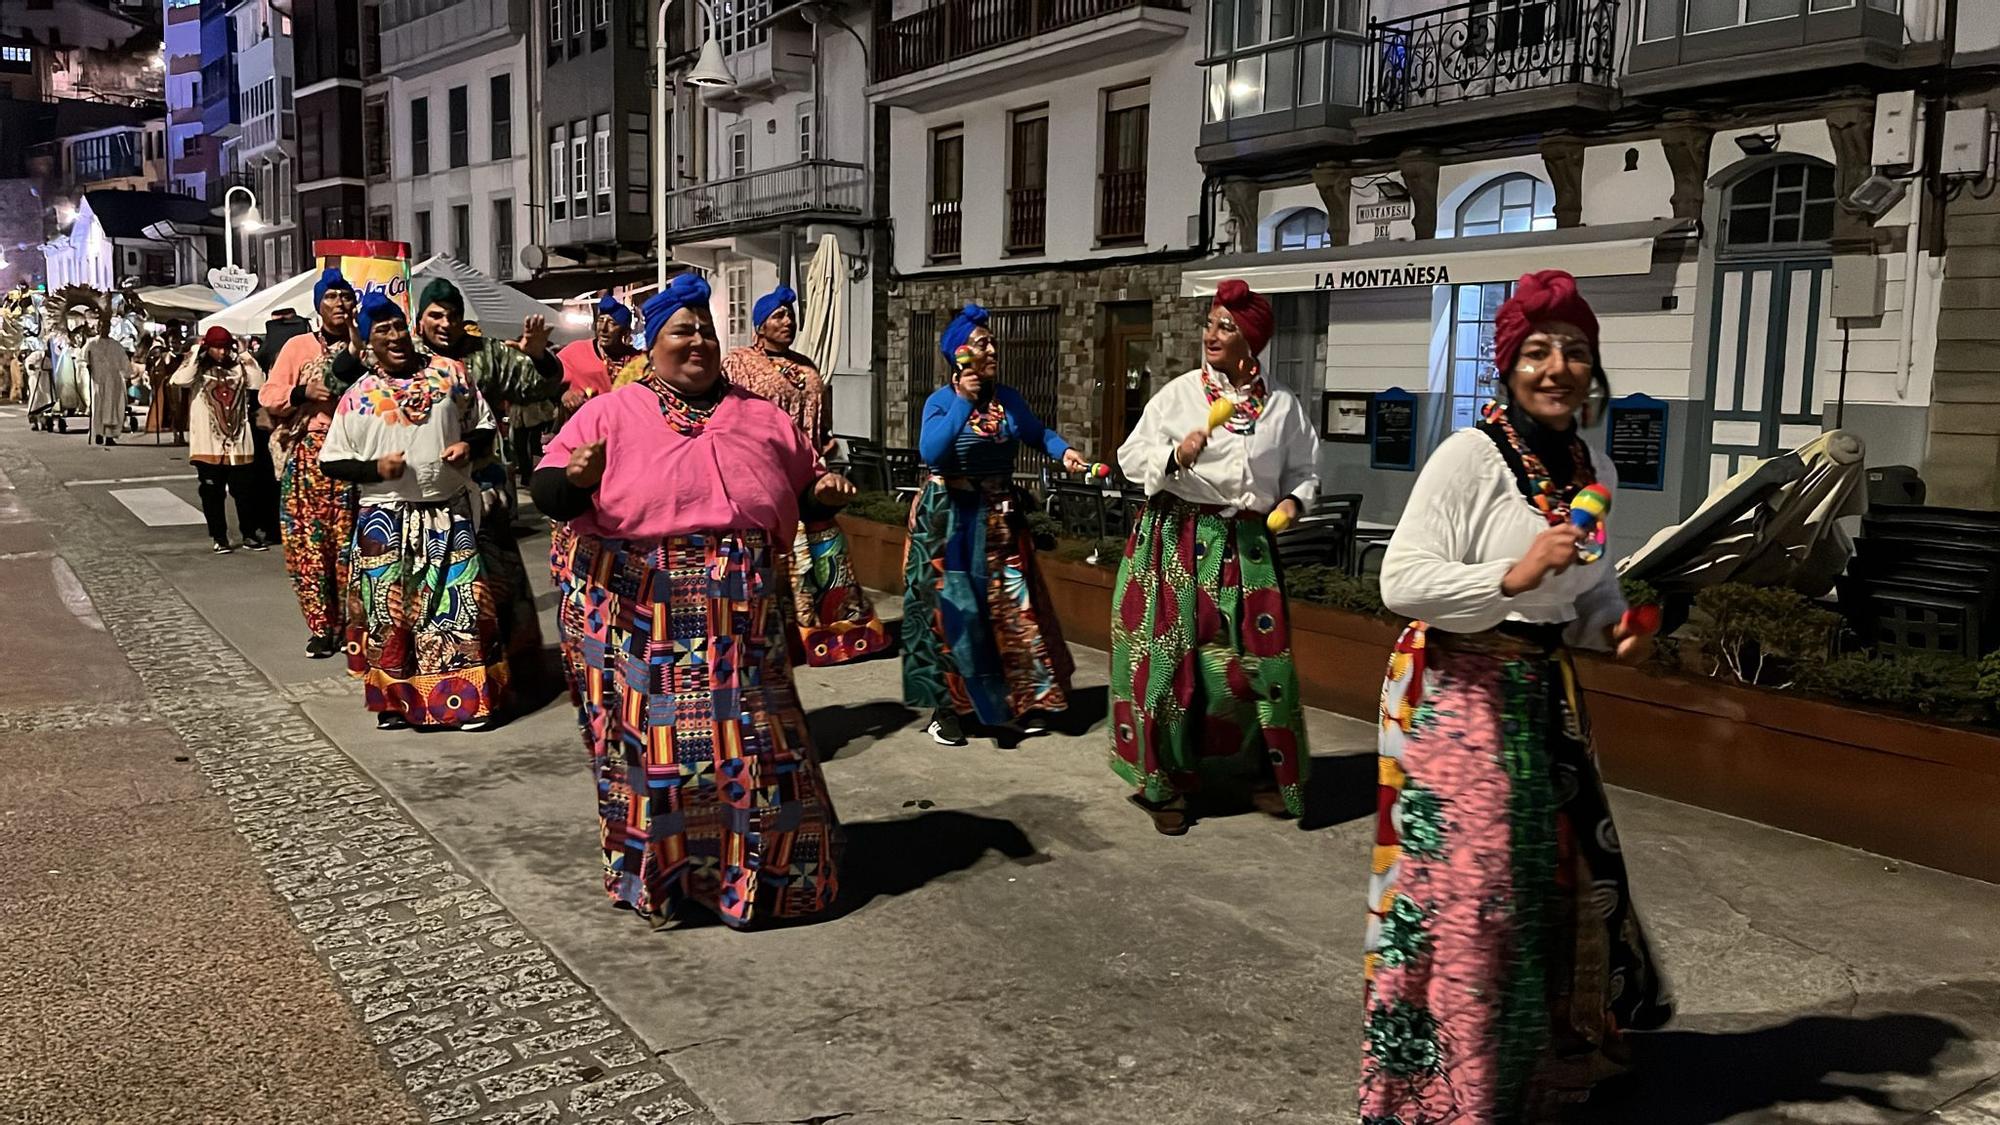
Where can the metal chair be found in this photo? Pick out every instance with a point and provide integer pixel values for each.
(903, 467)
(1078, 510)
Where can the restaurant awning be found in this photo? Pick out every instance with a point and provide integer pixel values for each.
(1606, 251)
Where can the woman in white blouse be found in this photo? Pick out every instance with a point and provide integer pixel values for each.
(1202, 677)
(1504, 958)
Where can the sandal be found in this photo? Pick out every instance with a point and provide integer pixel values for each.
(1268, 800)
(1170, 818)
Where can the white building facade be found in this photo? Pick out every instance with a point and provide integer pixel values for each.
(186, 160)
(456, 114)
(262, 152)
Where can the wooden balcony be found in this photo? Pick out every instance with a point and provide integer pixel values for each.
(827, 189)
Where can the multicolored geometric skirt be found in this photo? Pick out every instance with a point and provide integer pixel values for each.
(1504, 959)
(708, 788)
(569, 608)
(978, 634)
(422, 633)
(1202, 677)
(316, 523)
(837, 621)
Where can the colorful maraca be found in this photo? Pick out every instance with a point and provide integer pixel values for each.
(964, 357)
(1219, 412)
(1587, 512)
(1098, 469)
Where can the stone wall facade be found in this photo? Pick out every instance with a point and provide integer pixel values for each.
(1962, 466)
(1079, 297)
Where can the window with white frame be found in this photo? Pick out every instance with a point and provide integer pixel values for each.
(600, 155)
(739, 24)
(736, 290)
(1303, 229)
(604, 13)
(555, 29)
(1509, 204)
(1720, 15)
(579, 167)
(739, 152)
(558, 172)
(638, 166)
(808, 146)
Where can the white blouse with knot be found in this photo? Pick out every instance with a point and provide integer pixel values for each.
(1465, 526)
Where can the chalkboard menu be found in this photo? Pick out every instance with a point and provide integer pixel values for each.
(1636, 437)
(1392, 430)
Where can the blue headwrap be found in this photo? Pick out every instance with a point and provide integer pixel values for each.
(329, 280)
(686, 290)
(375, 308)
(780, 298)
(614, 308)
(960, 330)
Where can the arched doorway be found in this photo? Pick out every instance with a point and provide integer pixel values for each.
(1511, 204)
(1773, 257)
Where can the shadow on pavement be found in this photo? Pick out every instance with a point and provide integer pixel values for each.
(1342, 788)
(1087, 708)
(834, 727)
(895, 857)
(1700, 1077)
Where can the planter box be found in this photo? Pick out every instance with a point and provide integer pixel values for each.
(1886, 783)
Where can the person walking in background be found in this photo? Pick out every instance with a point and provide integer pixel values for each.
(315, 510)
(223, 385)
(1504, 959)
(682, 491)
(108, 375)
(590, 366)
(1202, 675)
(979, 637)
(167, 408)
(422, 634)
(836, 618)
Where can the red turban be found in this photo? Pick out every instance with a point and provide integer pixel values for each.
(1251, 311)
(217, 337)
(1538, 298)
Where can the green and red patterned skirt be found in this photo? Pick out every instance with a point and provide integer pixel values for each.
(423, 634)
(836, 619)
(979, 636)
(1202, 677)
(1504, 960)
(709, 792)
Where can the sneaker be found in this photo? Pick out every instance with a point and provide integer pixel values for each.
(319, 648)
(255, 543)
(944, 730)
(389, 720)
(221, 548)
(1032, 723)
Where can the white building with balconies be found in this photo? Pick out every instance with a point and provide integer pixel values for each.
(261, 154)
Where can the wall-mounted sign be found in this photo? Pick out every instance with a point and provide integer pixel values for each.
(232, 283)
(1392, 430)
(1385, 212)
(1635, 430)
(1401, 276)
(1343, 417)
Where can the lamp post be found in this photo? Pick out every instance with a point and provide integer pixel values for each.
(709, 71)
(251, 222)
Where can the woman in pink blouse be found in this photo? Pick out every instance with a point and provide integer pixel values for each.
(682, 493)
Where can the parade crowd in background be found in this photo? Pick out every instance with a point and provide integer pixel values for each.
(697, 561)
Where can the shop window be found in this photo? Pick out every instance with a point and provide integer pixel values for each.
(1508, 205)
(1782, 205)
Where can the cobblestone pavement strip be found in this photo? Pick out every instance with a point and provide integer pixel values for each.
(481, 1023)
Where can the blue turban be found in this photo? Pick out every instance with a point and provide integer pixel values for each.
(960, 330)
(376, 308)
(686, 290)
(614, 308)
(330, 280)
(780, 298)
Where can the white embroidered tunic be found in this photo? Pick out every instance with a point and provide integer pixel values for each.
(1465, 525)
(1252, 471)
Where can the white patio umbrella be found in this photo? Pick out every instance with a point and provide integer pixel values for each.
(498, 308)
(163, 301)
(826, 305)
(248, 316)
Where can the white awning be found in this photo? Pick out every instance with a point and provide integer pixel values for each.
(1608, 251)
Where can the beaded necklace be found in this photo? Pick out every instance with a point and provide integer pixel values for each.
(790, 371)
(415, 394)
(1541, 489)
(684, 416)
(1248, 408)
(989, 421)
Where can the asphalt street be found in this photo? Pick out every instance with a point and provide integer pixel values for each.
(1014, 943)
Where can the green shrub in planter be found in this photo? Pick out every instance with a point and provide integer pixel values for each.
(1761, 635)
(1330, 586)
(1940, 686)
(1638, 592)
(879, 507)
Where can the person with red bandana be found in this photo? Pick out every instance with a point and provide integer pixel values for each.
(1202, 680)
(1504, 959)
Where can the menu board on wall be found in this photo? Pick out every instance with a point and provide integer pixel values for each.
(1635, 434)
(1392, 430)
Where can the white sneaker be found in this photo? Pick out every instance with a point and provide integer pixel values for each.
(943, 736)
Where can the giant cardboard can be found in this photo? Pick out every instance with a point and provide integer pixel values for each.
(380, 267)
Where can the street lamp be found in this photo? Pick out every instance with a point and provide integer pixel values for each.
(251, 222)
(711, 72)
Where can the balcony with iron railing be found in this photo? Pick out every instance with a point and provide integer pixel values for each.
(826, 189)
(1478, 60)
(1027, 220)
(959, 50)
(1121, 207)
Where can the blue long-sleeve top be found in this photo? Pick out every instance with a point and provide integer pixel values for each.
(948, 444)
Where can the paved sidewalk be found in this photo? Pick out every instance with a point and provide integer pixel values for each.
(1015, 943)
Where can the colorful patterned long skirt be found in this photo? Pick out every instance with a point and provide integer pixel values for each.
(708, 787)
(1504, 958)
(507, 572)
(569, 609)
(979, 636)
(1202, 677)
(837, 621)
(422, 632)
(316, 520)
